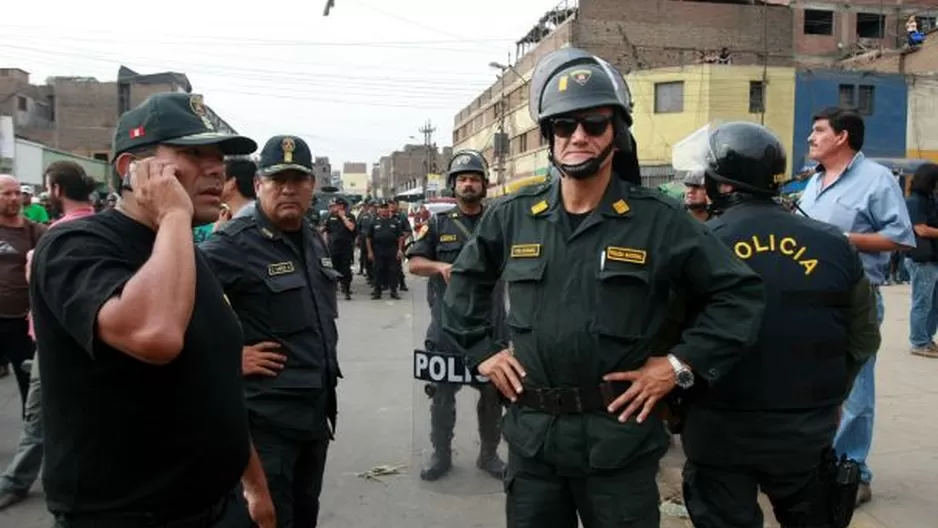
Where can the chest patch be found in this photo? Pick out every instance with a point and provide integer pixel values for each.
(280, 268)
(448, 238)
(623, 254)
(525, 251)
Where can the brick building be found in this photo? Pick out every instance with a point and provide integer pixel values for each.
(403, 170)
(322, 169)
(650, 34)
(79, 114)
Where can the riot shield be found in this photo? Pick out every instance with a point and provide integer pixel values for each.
(457, 444)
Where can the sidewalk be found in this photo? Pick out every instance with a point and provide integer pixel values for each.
(904, 459)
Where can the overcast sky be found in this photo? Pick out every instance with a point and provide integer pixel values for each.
(355, 84)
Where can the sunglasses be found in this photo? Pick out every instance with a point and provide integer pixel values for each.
(593, 125)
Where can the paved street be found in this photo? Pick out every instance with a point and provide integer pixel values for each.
(375, 429)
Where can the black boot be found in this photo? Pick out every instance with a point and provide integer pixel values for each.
(442, 422)
(489, 410)
(347, 290)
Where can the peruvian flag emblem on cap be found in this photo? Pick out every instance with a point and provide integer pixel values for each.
(136, 132)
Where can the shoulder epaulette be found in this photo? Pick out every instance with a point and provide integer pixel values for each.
(237, 225)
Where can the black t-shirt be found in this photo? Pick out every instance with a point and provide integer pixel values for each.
(122, 435)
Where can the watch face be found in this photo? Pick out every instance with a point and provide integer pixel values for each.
(685, 379)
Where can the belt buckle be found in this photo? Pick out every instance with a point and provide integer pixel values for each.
(554, 400)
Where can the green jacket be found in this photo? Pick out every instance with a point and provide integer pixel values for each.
(591, 302)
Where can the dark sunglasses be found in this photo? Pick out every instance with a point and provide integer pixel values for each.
(593, 125)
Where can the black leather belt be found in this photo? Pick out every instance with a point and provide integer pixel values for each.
(571, 400)
(205, 518)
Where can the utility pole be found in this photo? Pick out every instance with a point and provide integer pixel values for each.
(427, 130)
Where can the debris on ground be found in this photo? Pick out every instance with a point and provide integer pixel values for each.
(381, 471)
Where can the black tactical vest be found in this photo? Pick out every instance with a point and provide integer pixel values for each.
(809, 270)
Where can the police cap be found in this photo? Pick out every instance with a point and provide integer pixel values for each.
(283, 153)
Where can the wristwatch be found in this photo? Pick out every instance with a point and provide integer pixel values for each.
(683, 375)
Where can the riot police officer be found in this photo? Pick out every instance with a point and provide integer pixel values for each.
(770, 423)
(364, 220)
(695, 196)
(340, 232)
(385, 239)
(396, 212)
(432, 254)
(590, 259)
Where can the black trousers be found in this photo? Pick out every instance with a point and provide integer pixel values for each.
(294, 470)
(726, 497)
(386, 270)
(541, 495)
(16, 347)
(342, 262)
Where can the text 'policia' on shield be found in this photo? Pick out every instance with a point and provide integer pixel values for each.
(444, 368)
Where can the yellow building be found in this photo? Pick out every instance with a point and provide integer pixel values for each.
(355, 178)
(671, 103)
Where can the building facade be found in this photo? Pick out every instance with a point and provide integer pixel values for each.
(355, 178)
(404, 170)
(79, 114)
(881, 98)
(922, 126)
(694, 38)
(672, 103)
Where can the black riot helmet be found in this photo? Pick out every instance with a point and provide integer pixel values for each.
(747, 156)
(466, 160)
(570, 80)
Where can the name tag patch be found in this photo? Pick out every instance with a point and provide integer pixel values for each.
(525, 251)
(280, 268)
(622, 254)
(448, 238)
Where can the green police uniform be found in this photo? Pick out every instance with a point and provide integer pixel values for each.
(586, 301)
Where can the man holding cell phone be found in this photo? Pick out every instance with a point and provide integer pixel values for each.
(145, 419)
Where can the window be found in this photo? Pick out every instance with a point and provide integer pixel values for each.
(818, 22)
(100, 156)
(925, 23)
(865, 95)
(523, 143)
(847, 96)
(21, 103)
(756, 97)
(870, 25)
(669, 97)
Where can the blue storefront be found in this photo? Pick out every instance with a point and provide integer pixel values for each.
(881, 98)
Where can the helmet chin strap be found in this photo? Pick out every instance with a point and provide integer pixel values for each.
(588, 168)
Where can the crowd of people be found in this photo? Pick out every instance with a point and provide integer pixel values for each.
(186, 376)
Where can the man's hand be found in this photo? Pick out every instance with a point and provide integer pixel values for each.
(400, 255)
(261, 508)
(371, 256)
(259, 360)
(445, 271)
(157, 189)
(505, 372)
(649, 384)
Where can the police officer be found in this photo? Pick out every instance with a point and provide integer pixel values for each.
(432, 254)
(695, 196)
(396, 212)
(590, 259)
(279, 279)
(364, 220)
(770, 420)
(340, 232)
(385, 239)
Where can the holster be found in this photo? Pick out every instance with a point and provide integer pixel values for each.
(842, 477)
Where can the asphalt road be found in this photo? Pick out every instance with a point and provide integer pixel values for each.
(376, 430)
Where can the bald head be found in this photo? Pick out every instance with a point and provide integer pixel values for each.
(11, 201)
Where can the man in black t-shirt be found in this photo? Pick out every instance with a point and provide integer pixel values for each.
(144, 412)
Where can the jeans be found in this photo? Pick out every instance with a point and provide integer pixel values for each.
(923, 316)
(855, 434)
(23, 470)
